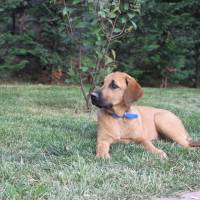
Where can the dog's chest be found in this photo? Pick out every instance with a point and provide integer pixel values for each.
(128, 129)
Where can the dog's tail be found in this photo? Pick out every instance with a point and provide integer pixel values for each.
(194, 143)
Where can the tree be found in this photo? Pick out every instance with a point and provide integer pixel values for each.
(31, 38)
(162, 46)
(190, 12)
(87, 39)
(93, 26)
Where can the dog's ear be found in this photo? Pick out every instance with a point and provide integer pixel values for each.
(133, 91)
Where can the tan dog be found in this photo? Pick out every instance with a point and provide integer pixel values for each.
(115, 98)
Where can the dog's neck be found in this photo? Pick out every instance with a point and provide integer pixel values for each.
(119, 109)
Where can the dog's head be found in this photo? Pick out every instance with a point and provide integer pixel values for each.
(118, 89)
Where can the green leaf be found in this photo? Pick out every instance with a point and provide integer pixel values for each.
(117, 30)
(65, 10)
(76, 2)
(99, 54)
(131, 15)
(108, 60)
(123, 20)
(116, 9)
(112, 15)
(102, 14)
(151, 47)
(84, 68)
(113, 54)
(134, 25)
(126, 6)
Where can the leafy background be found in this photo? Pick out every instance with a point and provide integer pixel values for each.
(161, 40)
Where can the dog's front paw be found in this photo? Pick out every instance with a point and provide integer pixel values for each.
(103, 155)
(102, 150)
(162, 154)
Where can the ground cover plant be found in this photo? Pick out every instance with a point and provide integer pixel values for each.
(47, 148)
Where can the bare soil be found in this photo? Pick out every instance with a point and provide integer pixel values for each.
(183, 196)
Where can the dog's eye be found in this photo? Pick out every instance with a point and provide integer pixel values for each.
(113, 85)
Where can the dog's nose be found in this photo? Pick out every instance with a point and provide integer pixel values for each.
(94, 96)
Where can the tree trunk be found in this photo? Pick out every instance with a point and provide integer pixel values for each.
(197, 75)
(197, 60)
(13, 22)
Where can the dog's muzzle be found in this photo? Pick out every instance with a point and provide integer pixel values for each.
(98, 101)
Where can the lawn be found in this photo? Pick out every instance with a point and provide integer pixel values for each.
(47, 148)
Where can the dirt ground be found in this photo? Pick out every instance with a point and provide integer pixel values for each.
(183, 196)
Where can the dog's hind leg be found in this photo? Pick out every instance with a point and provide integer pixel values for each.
(148, 145)
(169, 125)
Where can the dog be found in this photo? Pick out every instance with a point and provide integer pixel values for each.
(120, 121)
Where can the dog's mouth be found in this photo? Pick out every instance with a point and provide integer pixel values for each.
(98, 101)
(102, 105)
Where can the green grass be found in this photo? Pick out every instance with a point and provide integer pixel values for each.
(47, 148)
